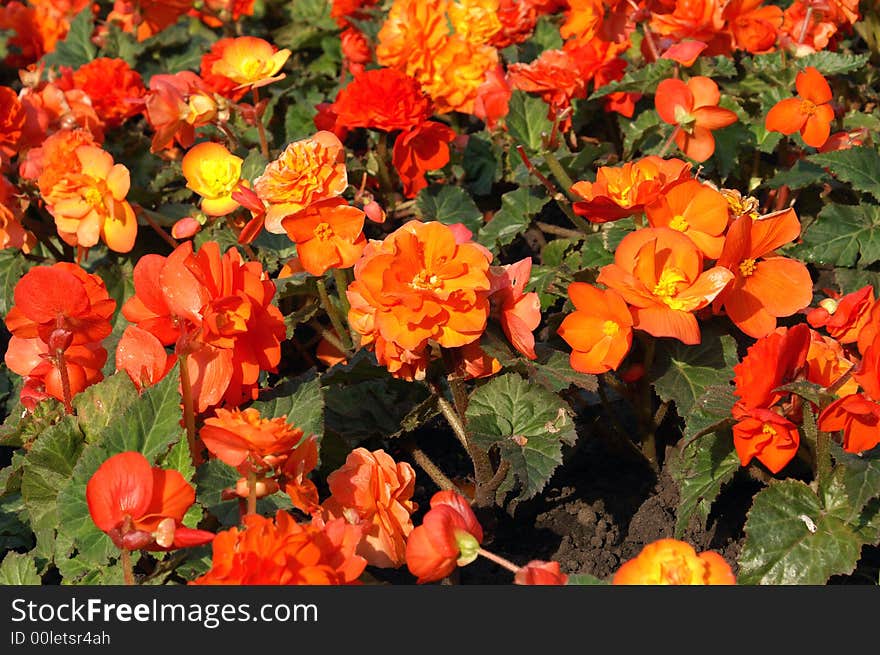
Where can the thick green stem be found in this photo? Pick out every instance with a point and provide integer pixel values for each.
(127, 570)
(333, 314)
(189, 414)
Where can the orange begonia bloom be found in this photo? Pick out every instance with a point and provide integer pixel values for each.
(12, 118)
(701, 20)
(868, 372)
(142, 507)
(810, 113)
(845, 317)
(765, 287)
(659, 272)
(145, 18)
(295, 469)
(411, 33)
(754, 28)
(519, 312)
(51, 109)
(284, 552)
(827, 363)
(249, 61)
(859, 418)
(88, 202)
(685, 53)
(554, 74)
(419, 150)
(375, 492)
(475, 20)
(240, 436)
(237, 9)
(538, 572)
(771, 362)
(492, 102)
(673, 562)
(455, 73)
(140, 354)
(416, 286)
(214, 173)
(12, 232)
(599, 331)
(115, 90)
(175, 106)
(621, 191)
(449, 536)
(382, 99)
(697, 210)
(693, 109)
(767, 436)
(518, 20)
(308, 171)
(328, 234)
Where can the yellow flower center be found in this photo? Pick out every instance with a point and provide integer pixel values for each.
(219, 176)
(668, 285)
(808, 107)
(610, 328)
(425, 281)
(251, 68)
(679, 223)
(747, 267)
(94, 197)
(676, 571)
(323, 231)
(769, 430)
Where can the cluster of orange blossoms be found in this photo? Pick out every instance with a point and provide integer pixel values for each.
(59, 318)
(217, 312)
(673, 562)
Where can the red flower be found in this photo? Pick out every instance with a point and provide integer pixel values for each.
(810, 114)
(767, 436)
(449, 536)
(844, 318)
(419, 150)
(12, 118)
(116, 91)
(858, 417)
(142, 507)
(537, 572)
(141, 355)
(519, 312)
(382, 99)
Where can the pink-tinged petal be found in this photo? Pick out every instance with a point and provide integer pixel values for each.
(812, 86)
(122, 485)
(685, 53)
(704, 290)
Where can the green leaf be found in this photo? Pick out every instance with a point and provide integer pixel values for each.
(13, 532)
(121, 45)
(103, 403)
(639, 80)
(527, 120)
(832, 63)
(300, 400)
(645, 133)
(480, 165)
(77, 48)
(792, 538)
(21, 426)
(853, 279)
(802, 174)
(253, 165)
(682, 373)
(710, 412)
(151, 424)
(13, 266)
(585, 579)
(19, 569)
(47, 469)
(213, 478)
(842, 235)
(860, 475)
(858, 166)
(180, 459)
(370, 408)
(449, 205)
(518, 207)
(553, 371)
(528, 423)
(701, 469)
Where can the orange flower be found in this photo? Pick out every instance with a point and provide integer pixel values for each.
(475, 20)
(12, 117)
(50, 108)
(449, 536)
(684, 53)
(238, 8)
(492, 101)
(844, 318)
(419, 284)
(147, 307)
(693, 109)
(659, 272)
(140, 354)
(142, 507)
(554, 74)
(868, 372)
(701, 20)
(214, 173)
(25, 44)
(754, 28)
(411, 33)
(147, 17)
(419, 150)
(249, 61)
(328, 234)
(175, 106)
(308, 171)
(673, 562)
(599, 331)
(375, 492)
(383, 99)
(538, 572)
(806, 28)
(284, 552)
(89, 202)
(239, 436)
(115, 90)
(518, 20)
(301, 461)
(859, 418)
(455, 73)
(621, 191)
(764, 287)
(519, 312)
(827, 363)
(697, 210)
(767, 436)
(12, 233)
(810, 113)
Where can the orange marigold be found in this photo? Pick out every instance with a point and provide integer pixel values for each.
(375, 492)
(308, 171)
(416, 286)
(284, 552)
(673, 562)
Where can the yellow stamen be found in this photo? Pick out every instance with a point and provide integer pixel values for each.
(747, 267)
(610, 328)
(679, 223)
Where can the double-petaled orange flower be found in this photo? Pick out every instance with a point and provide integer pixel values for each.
(754, 27)
(416, 286)
(115, 90)
(328, 234)
(141, 507)
(695, 209)
(373, 491)
(382, 99)
(810, 114)
(693, 109)
(419, 150)
(449, 537)
(554, 75)
(599, 331)
(659, 272)
(621, 191)
(242, 438)
(284, 552)
(765, 286)
(214, 173)
(673, 562)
